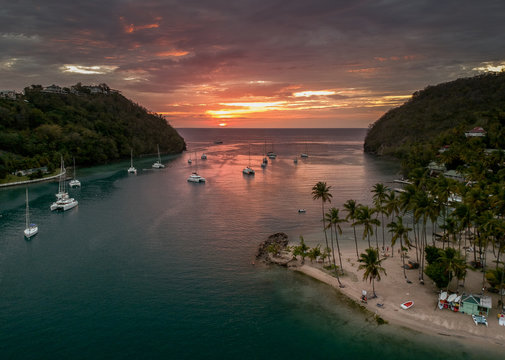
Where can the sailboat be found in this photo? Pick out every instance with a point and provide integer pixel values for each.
(74, 182)
(158, 164)
(271, 154)
(194, 177)
(31, 229)
(248, 170)
(131, 169)
(265, 159)
(63, 201)
(189, 160)
(305, 154)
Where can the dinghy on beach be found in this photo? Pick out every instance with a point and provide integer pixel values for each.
(407, 305)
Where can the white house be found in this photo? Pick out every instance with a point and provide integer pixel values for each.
(476, 132)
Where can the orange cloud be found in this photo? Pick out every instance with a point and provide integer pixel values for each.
(131, 28)
(175, 53)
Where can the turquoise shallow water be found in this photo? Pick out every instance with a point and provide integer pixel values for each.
(152, 267)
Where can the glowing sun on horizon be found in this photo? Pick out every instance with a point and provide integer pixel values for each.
(223, 124)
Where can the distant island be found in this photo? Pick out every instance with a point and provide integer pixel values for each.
(94, 124)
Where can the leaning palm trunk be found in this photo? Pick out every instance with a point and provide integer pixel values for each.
(333, 251)
(338, 249)
(403, 258)
(356, 241)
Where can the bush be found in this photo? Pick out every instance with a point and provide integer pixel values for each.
(438, 274)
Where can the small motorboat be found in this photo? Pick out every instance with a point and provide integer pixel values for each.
(407, 305)
(301, 211)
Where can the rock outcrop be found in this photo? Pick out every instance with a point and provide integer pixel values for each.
(280, 256)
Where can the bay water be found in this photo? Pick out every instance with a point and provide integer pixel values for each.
(149, 266)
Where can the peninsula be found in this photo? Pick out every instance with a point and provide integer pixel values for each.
(93, 124)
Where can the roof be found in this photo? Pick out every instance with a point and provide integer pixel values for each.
(477, 129)
(483, 301)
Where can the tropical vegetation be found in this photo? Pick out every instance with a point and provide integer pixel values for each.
(38, 127)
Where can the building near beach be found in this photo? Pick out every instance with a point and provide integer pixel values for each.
(475, 304)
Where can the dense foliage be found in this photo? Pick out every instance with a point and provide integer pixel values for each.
(94, 128)
(431, 116)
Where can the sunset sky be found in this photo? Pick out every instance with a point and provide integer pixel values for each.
(252, 63)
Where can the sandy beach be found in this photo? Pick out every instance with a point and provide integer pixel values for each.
(424, 316)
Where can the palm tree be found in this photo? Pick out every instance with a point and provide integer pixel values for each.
(371, 263)
(322, 191)
(364, 217)
(352, 211)
(334, 220)
(392, 208)
(452, 263)
(399, 231)
(379, 198)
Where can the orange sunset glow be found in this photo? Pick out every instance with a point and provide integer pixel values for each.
(256, 63)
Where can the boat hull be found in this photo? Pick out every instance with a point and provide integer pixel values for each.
(407, 305)
(74, 183)
(64, 205)
(31, 231)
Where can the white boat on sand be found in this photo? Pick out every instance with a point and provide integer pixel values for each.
(407, 305)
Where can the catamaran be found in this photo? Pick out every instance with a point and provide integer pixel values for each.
(74, 182)
(158, 164)
(31, 229)
(194, 177)
(131, 169)
(63, 201)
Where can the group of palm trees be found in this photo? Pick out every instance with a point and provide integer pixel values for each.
(468, 216)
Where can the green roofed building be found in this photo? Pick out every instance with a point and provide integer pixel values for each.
(475, 304)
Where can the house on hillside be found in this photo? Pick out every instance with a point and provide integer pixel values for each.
(54, 89)
(8, 94)
(476, 132)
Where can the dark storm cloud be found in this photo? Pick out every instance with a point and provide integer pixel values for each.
(162, 46)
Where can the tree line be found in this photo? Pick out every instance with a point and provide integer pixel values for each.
(39, 127)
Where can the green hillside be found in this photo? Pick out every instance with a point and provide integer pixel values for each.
(95, 125)
(438, 112)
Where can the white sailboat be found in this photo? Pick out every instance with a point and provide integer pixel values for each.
(194, 177)
(272, 154)
(305, 154)
(74, 182)
(131, 169)
(30, 229)
(248, 170)
(63, 201)
(158, 164)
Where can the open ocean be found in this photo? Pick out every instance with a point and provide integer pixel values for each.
(150, 266)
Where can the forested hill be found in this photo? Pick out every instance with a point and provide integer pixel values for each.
(437, 111)
(93, 124)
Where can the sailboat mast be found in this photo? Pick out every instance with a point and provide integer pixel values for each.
(27, 210)
(131, 157)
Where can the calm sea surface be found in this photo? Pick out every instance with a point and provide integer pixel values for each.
(153, 267)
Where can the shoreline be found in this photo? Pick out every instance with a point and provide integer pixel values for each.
(392, 290)
(52, 177)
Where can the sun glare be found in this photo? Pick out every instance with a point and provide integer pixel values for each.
(222, 124)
